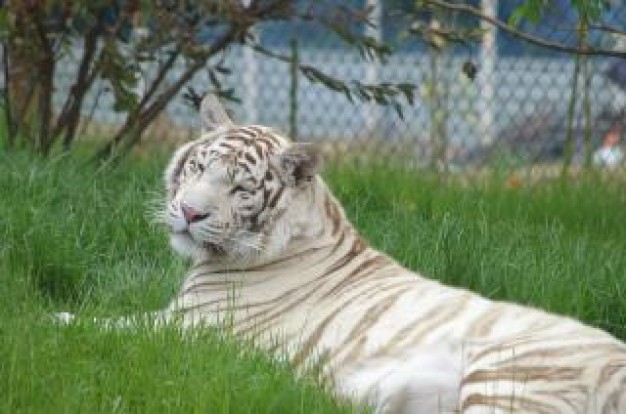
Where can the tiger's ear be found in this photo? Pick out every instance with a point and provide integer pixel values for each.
(213, 114)
(299, 163)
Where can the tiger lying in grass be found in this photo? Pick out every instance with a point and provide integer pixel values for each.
(274, 253)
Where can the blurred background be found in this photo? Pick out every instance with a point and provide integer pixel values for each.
(450, 85)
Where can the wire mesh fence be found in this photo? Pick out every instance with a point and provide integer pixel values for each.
(497, 99)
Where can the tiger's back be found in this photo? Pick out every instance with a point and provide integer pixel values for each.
(381, 330)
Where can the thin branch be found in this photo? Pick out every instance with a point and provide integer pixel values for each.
(46, 70)
(7, 96)
(268, 53)
(21, 112)
(365, 92)
(137, 121)
(69, 115)
(340, 20)
(539, 41)
(608, 29)
(571, 113)
(21, 77)
(89, 117)
(74, 115)
(88, 50)
(163, 70)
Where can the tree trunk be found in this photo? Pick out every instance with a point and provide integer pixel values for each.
(29, 80)
(22, 91)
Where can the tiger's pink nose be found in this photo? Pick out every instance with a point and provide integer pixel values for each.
(191, 214)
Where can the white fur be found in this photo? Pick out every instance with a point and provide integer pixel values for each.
(301, 284)
(424, 381)
(421, 371)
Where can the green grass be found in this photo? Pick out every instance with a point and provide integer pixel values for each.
(78, 239)
(555, 246)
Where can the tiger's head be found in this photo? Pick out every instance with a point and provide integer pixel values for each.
(238, 194)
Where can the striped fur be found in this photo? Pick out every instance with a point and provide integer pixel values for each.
(275, 255)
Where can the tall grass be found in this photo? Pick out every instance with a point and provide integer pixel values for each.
(79, 239)
(558, 246)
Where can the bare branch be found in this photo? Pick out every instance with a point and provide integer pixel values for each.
(8, 102)
(382, 94)
(608, 29)
(539, 41)
(160, 76)
(46, 82)
(137, 121)
(70, 113)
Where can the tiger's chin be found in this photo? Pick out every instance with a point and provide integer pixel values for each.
(184, 244)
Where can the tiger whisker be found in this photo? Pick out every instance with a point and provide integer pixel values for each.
(252, 246)
(158, 216)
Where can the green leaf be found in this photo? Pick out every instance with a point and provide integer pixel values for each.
(4, 20)
(396, 105)
(408, 90)
(531, 10)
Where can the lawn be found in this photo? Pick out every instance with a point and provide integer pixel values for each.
(80, 239)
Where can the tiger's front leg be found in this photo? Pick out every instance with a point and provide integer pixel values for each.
(63, 318)
(153, 319)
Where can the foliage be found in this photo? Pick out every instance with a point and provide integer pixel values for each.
(530, 10)
(533, 10)
(85, 243)
(426, 12)
(135, 45)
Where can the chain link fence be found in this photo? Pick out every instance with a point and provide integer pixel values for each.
(497, 99)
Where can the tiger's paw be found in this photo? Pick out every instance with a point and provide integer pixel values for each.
(63, 318)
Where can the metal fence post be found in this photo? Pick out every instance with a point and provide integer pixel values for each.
(293, 90)
(488, 55)
(372, 111)
(250, 84)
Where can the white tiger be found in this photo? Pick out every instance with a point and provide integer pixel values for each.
(274, 253)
